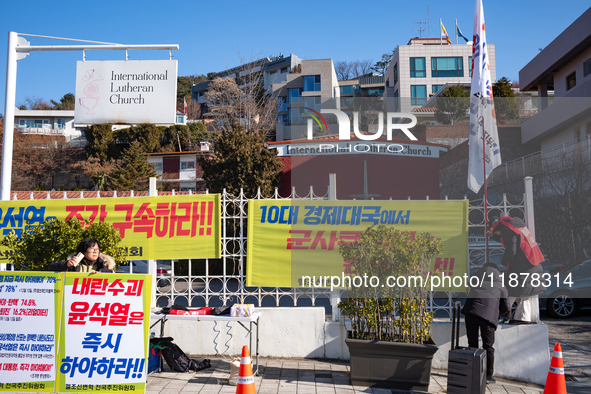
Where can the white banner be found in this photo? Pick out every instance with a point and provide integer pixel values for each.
(484, 148)
(29, 302)
(104, 335)
(126, 92)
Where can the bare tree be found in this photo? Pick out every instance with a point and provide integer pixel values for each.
(35, 103)
(193, 109)
(347, 70)
(343, 70)
(242, 96)
(363, 67)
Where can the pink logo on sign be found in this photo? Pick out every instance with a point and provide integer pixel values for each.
(90, 99)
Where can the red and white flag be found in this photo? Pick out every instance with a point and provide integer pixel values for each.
(185, 108)
(484, 152)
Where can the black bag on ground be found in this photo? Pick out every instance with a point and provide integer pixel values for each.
(177, 360)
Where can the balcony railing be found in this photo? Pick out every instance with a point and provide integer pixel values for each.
(40, 131)
(554, 159)
(371, 80)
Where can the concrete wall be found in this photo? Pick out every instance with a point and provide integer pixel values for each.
(521, 351)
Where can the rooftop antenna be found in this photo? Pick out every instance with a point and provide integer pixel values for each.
(421, 29)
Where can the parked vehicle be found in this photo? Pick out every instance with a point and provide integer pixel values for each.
(569, 290)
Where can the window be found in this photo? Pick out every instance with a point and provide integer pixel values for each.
(387, 82)
(312, 83)
(587, 68)
(396, 73)
(282, 104)
(571, 81)
(435, 88)
(295, 116)
(295, 96)
(60, 123)
(158, 166)
(284, 70)
(283, 119)
(470, 66)
(348, 89)
(374, 92)
(187, 165)
(447, 67)
(418, 94)
(417, 67)
(35, 123)
(179, 119)
(312, 102)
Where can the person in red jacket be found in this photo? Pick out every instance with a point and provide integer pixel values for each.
(522, 256)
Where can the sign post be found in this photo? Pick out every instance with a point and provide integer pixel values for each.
(18, 48)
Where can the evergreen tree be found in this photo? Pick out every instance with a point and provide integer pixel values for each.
(135, 171)
(452, 105)
(505, 106)
(241, 160)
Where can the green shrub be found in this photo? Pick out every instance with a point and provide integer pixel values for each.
(55, 240)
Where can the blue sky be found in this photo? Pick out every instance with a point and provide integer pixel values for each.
(213, 35)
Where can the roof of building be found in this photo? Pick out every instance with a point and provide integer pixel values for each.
(335, 138)
(193, 152)
(61, 195)
(570, 43)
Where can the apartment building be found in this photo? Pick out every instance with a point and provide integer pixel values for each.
(49, 123)
(270, 70)
(423, 66)
(563, 66)
(312, 84)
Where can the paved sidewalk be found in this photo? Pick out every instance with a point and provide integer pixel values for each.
(293, 376)
(577, 369)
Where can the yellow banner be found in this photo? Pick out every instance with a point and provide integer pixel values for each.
(291, 239)
(166, 227)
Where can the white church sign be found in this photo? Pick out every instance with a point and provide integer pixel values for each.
(126, 92)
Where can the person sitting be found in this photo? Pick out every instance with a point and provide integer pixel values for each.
(92, 261)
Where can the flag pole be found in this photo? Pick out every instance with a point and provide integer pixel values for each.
(485, 192)
(440, 38)
(456, 31)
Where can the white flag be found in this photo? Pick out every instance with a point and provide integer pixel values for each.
(484, 138)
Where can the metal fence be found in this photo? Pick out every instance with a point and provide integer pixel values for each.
(228, 285)
(218, 282)
(566, 156)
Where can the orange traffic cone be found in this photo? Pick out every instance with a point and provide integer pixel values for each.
(555, 383)
(245, 379)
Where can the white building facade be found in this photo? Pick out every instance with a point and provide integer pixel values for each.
(423, 66)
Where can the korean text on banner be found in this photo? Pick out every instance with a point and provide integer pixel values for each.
(484, 148)
(104, 333)
(126, 92)
(291, 239)
(30, 307)
(166, 227)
